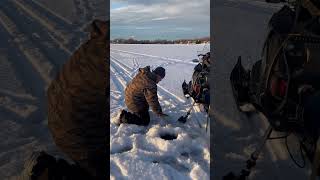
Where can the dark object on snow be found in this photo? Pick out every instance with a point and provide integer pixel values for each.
(168, 136)
(77, 103)
(138, 118)
(284, 84)
(198, 88)
(183, 119)
(141, 92)
(239, 77)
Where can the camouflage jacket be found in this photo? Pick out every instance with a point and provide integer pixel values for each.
(77, 100)
(141, 92)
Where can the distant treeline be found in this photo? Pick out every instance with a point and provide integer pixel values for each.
(161, 41)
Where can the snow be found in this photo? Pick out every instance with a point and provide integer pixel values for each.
(36, 40)
(139, 152)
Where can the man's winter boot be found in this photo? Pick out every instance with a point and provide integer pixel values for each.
(38, 167)
(119, 118)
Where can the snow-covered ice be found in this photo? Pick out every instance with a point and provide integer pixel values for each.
(37, 37)
(139, 152)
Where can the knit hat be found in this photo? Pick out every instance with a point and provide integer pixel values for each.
(160, 71)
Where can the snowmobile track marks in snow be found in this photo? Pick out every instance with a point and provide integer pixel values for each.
(57, 36)
(182, 155)
(55, 53)
(61, 25)
(119, 83)
(25, 70)
(125, 74)
(157, 57)
(56, 18)
(88, 10)
(125, 71)
(83, 11)
(35, 57)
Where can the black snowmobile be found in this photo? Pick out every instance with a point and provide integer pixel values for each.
(198, 88)
(284, 84)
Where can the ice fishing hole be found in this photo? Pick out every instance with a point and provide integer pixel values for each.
(168, 136)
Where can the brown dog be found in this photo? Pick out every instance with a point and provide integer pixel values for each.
(77, 103)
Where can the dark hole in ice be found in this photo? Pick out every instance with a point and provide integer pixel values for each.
(185, 154)
(168, 136)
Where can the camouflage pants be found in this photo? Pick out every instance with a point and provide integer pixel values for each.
(139, 118)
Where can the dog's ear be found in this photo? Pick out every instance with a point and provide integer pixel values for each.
(98, 28)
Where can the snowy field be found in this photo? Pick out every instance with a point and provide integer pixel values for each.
(35, 42)
(240, 28)
(139, 152)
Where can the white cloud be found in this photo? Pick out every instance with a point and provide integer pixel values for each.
(143, 28)
(162, 13)
(160, 18)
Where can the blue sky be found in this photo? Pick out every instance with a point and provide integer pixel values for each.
(115, 5)
(160, 19)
